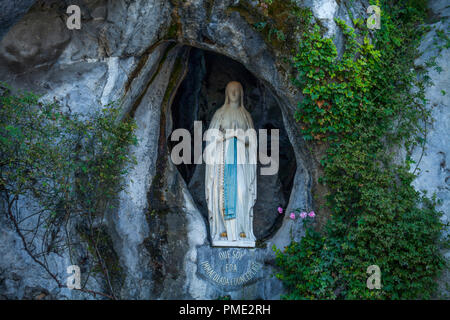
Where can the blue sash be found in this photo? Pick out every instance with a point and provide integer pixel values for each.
(230, 180)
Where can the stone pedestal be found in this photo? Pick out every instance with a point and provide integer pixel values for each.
(238, 243)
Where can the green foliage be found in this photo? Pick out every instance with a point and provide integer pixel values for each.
(362, 104)
(279, 21)
(70, 166)
(260, 26)
(67, 163)
(306, 267)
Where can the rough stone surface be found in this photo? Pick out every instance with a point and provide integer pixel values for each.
(129, 223)
(11, 12)
(21, 49)
(23, 278)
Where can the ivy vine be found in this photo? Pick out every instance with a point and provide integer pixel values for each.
(365, 106)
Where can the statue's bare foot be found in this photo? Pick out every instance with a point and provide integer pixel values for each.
(242, 235)
(223, 234)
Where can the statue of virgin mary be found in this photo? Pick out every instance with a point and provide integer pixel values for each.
(230, 175)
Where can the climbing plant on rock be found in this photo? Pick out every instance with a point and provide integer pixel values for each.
(365, 106)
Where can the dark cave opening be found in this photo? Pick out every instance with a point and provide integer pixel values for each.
(200, 94)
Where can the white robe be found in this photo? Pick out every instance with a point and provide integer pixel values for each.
(225, 118)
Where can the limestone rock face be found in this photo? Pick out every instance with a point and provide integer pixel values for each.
(433, 158)
(12, 11)
(140, 52)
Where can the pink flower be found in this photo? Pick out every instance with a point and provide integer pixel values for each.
(280, 210)
(292, 216)
(312, 214)
(303, 215)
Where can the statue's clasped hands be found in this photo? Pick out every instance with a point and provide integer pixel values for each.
(231, 133)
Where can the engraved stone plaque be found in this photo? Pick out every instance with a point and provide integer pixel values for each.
(229, 268)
